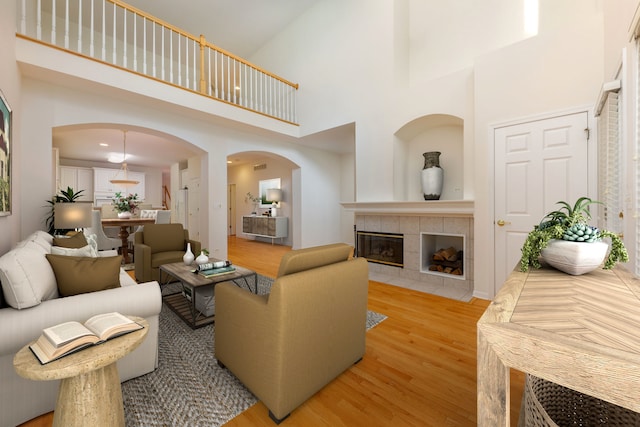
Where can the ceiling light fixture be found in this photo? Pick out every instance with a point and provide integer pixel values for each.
(125, 181)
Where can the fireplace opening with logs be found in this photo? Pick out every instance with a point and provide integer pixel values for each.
(442, 254)
(448, 261)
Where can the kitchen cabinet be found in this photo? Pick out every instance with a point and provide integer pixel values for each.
(104, 188)
(79, 179)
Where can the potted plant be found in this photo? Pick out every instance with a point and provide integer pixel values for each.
(563, 237)
(125, 206)
(253, 199)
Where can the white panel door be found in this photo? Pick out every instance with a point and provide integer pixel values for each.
(537, 164)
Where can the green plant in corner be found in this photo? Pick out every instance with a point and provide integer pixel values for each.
(65, 196)
(569, 223)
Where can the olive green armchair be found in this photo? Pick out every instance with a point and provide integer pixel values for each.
(286, 346)
(158, 244)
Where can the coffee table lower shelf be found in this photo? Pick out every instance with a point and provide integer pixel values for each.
(182, 307)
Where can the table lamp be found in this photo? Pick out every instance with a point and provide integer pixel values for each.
(72, 216)
(274, 195)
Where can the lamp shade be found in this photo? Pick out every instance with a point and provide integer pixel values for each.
(274, 195)
(72, 215)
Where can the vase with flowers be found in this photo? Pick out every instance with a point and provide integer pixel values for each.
(125, 206)
(255, 200)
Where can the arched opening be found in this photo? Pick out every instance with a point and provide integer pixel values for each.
(433, 132)
(249, 173)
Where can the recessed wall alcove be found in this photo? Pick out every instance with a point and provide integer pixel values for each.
(434, 132)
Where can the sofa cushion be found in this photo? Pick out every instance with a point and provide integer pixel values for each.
(92, 240)
(27, 278)
(78, 275)
(40, 238)
(86, 251)
(75, 241)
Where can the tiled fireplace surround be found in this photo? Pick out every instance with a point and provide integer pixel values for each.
(411, 226)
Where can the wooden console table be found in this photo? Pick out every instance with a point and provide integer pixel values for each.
(582, 332)
(265, 226)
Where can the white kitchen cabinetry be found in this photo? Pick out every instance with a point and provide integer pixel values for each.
(104, 188)
(78, 179)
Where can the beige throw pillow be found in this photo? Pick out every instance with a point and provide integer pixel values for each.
(76, 241)
(79, 275)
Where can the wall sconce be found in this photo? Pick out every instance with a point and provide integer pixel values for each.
(274, 195)
(72, 216)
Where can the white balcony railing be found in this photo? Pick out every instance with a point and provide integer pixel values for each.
(113, 32)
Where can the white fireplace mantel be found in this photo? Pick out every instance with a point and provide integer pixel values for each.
(463, 208)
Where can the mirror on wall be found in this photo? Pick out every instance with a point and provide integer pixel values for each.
(263, 186)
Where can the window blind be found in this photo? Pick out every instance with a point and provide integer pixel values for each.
(610, 164)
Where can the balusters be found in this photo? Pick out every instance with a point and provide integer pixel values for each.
(91, 34)
(53, 22)
(66, 24)
(114, 35)
(154, 48)
(104, 31)
(162, 65)
(79, 24)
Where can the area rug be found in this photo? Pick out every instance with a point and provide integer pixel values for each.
(189, 388)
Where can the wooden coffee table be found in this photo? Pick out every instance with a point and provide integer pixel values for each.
(194, 286)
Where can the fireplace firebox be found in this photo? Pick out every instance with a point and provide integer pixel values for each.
(381, 248)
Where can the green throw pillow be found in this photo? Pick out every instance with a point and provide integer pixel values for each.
(79, 275)
(76, 241)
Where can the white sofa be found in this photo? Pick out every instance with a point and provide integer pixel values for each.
(31, 303)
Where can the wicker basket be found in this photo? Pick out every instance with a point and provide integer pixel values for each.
(550, 404)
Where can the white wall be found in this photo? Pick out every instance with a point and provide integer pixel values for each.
(559, 69)
(465, 60)
(10, 86)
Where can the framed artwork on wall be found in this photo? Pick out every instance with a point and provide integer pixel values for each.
(263, 186)
(5, 157)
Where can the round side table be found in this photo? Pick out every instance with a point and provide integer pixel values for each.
(90, 392)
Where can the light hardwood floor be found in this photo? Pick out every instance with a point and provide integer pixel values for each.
(419, 368)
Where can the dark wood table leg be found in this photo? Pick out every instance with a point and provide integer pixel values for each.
(124, 236)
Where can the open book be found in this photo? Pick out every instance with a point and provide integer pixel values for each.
(69, 337)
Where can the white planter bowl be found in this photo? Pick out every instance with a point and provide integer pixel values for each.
(575, 258)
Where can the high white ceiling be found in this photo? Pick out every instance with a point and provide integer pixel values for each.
(238, 26)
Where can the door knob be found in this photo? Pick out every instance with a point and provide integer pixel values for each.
(502, 223)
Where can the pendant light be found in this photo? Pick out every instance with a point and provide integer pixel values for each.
(125, 181)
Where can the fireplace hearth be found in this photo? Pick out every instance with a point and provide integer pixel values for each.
(381, 248)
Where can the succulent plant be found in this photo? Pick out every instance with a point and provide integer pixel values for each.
(570, 223)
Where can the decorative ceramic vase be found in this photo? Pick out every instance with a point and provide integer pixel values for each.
(574, 258)
(124, 215)
(188, 256)
(432, 176)
(202, 258)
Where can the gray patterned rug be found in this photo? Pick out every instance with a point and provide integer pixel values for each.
(189, 388)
